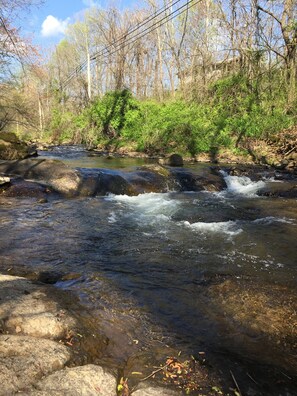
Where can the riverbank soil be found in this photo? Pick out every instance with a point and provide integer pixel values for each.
(279, 151)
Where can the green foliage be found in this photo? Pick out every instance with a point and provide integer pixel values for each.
(110, 114)
(241, 111)
(233, 111)
(171, 126)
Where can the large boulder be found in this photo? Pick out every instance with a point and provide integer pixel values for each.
(24, 360)
(17, 187)
(115, 184)
(25, 309)
(53, 173)
(285, 189)
(150, 178)
(11, 148)
(157, 178)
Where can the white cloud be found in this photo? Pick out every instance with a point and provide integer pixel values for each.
(52, 26)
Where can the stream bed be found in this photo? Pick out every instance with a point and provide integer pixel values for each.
(196, 271)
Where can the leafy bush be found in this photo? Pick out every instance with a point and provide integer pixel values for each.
(233, 111)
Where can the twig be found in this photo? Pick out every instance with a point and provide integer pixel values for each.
(290, 151)
(155, 372)
(252, 378)
(286, 375)
(149, 376)
(236, 384)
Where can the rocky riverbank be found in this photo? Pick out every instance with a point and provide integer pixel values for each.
(49, 346)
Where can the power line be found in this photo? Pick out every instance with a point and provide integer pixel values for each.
(189, 4)
(139, 25)
(143, 23)
(156, 25)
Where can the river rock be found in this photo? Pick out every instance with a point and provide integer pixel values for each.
(150, 178)
(83, 380)
(23, 188)
(172, 160)
(157, 178)
(205, 179)
(24, 360)
(114, 184)
(53, 173)
(285, 189)
(58, 177)
(156, 169)
(25, 309)
(12, 148)
(4, 180)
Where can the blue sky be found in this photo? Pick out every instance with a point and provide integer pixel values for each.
(46, 23)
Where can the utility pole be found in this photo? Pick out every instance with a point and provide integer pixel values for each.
(89, 74)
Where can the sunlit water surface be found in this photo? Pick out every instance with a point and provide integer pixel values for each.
(146, 256)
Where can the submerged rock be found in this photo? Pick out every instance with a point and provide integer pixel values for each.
(40, 336)
(259, 318)
(285, 189)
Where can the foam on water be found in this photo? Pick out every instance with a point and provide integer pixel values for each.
(242, 185)
(271, 219)
(112, 218)
(152, 207)
(224, 227)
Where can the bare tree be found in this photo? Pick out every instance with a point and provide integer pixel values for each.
(284, 13)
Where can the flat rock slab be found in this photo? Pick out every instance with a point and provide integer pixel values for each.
(24, 360)
(26, 309)
(85, 380)
(53, 173)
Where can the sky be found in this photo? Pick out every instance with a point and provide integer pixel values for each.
(46, 23)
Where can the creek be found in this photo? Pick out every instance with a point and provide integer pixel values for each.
(151, 266)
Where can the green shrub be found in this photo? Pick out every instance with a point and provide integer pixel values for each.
(233, 110)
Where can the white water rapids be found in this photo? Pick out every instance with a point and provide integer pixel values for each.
(160, 209)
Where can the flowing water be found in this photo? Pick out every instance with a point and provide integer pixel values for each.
(143, 262)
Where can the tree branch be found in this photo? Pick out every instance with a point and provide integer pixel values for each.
(271, 14)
